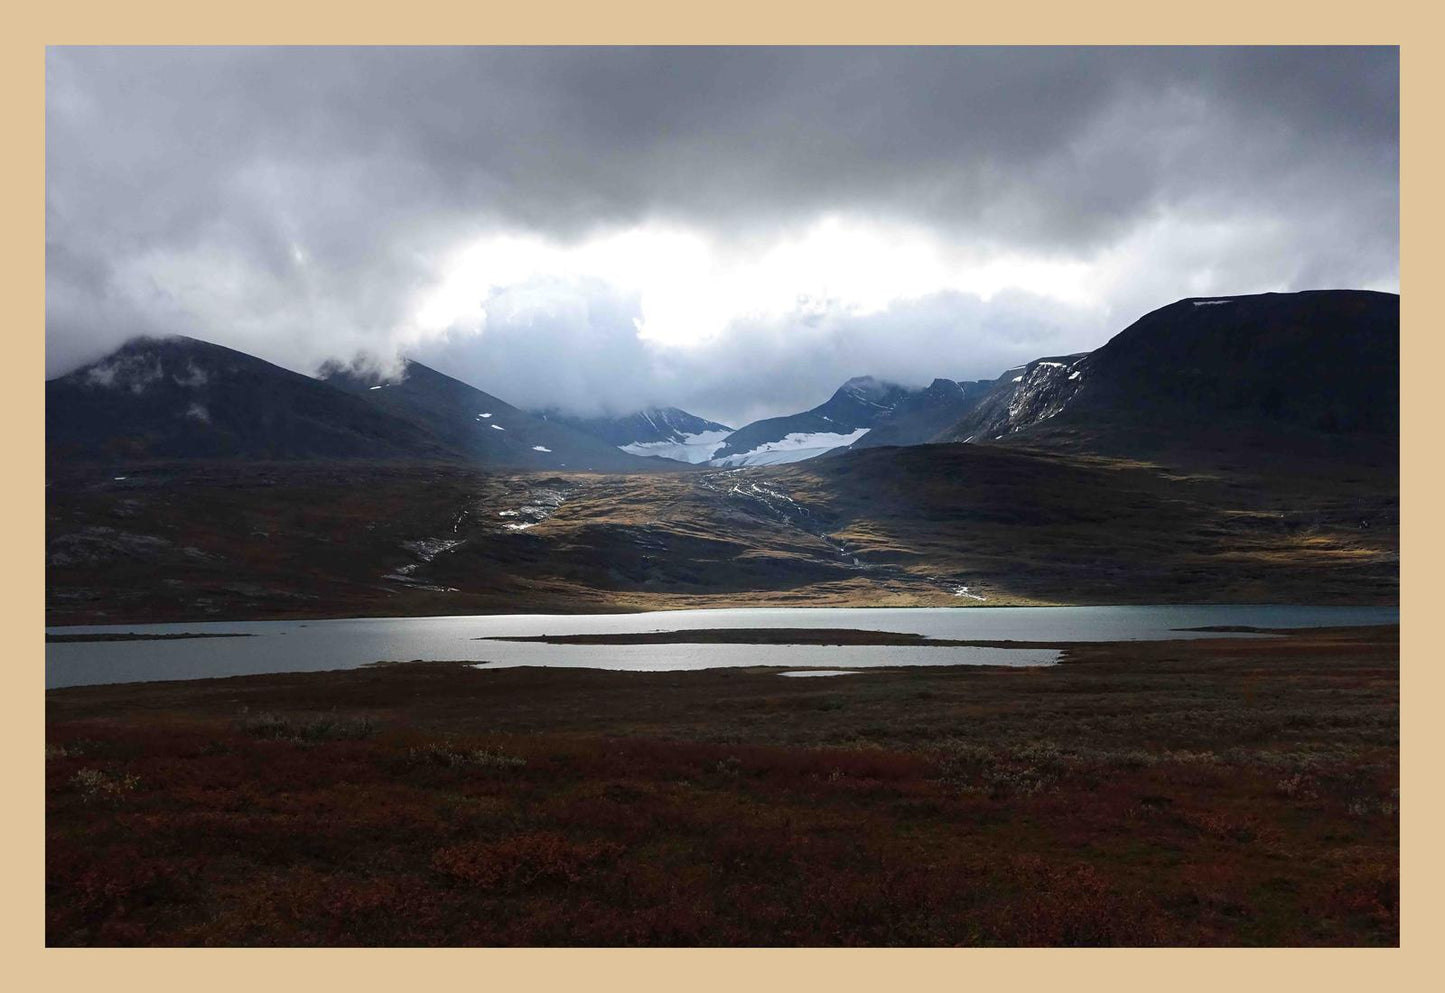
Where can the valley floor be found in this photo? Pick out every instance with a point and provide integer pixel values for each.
(938, 525)
(1211, 792)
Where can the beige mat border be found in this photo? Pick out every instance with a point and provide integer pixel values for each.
(29, 966)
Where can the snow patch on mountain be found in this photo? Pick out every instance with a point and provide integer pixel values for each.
(791, 448)
(693, 448)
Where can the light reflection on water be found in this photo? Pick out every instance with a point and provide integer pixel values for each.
(301, 646)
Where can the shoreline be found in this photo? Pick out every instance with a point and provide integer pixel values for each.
(280, 618)
(64, 639)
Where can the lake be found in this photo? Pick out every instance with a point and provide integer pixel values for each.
(307, 646)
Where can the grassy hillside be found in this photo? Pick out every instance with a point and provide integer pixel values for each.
(880, 527)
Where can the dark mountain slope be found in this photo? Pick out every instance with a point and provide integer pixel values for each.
(487, 430)
(1023, 396)
(643, 426)
(177, 397)
(919, 417)
(1313, 365)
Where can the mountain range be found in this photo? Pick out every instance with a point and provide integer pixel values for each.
(863, 412)
(1322, 363)
(478, 426)
(181, 398)
(1233, 449)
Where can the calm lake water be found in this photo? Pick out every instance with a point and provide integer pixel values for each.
(307, 646)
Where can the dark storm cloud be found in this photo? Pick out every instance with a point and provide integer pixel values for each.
(294, 202)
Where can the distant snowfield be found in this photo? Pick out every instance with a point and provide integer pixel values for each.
(791, 448)
(693, 448)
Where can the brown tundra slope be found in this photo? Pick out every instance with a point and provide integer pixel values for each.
(884, 526)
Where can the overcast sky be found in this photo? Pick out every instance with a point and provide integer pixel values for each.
(732, 231)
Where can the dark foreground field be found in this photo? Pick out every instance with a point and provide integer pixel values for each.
(1207, 792)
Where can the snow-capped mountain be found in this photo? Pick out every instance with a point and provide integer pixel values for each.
(1318, 363)
(846, 417)
(662, 432)
(862, 409)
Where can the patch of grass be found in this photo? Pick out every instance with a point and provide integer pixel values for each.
(453, 757)
(284, 727)
(74, 748)
(95, 785)
(522, 860)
